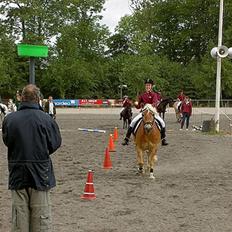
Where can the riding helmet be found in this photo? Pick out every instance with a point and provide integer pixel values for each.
(149, 81)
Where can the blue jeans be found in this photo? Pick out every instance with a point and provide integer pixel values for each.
(186, 116)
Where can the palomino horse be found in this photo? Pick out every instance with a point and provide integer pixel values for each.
(176, 107)
(161, 108)
(147, 139)
(126, 115)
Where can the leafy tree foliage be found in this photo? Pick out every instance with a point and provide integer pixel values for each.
(166, 40)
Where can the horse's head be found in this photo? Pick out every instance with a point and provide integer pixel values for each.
(163, 104)
(148, 117)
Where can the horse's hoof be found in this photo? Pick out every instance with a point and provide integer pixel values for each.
(141, 171)
(152, 176)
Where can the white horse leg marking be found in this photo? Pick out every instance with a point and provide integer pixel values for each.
(152, 175)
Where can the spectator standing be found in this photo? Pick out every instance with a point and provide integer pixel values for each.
(50, 107)
(11, 106)
(31, 136)
(18, 99)
(186, 111)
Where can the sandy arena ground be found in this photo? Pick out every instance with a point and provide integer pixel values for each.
(192, 191)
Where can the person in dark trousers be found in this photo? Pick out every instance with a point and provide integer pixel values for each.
(50, 107)
(31, 136)
(147, 97)
(186, 111)
(18, 98)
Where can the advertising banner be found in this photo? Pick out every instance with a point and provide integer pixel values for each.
(66, 102)
(88, 102)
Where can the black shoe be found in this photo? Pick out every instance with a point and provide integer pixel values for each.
(125, 142)
(164, 142)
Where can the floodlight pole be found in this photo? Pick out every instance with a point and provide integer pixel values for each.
(219, 64)
(32, 71)
(121, 87)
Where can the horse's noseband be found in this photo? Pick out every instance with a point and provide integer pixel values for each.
(149, 124)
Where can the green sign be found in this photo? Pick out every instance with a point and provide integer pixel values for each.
(32, 50)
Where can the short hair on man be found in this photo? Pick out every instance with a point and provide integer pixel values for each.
(31, 93)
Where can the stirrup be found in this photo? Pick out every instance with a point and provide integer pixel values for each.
(125, 142)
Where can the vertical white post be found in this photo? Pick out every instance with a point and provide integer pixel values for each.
(121, 91)
(219, 60)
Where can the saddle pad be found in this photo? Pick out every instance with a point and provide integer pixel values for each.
(158, 124)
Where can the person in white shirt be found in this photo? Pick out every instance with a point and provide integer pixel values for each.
(50, 107)
(11, 106)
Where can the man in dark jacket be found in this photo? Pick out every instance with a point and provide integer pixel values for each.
(31, 137)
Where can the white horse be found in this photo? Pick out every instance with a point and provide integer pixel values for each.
(3, 111)
(3, 108)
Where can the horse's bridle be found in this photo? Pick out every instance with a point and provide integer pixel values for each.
(151, 123)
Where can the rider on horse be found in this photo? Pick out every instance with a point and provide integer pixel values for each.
(181, 96)
(126, 103)
(180, 99)
(149, 97)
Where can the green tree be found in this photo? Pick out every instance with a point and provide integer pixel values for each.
(78, 52)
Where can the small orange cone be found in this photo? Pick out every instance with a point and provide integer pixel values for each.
(89, 189)
(115, 134)
(107, 161)
(111, 144)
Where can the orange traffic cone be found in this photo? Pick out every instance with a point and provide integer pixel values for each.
(107, 161)
(115, 134)
(89, 189)
(111, 144)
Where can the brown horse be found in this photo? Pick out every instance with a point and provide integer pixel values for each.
(126, 115)
(161, 108)
(147, 139)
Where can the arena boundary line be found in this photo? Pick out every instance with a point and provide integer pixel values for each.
(116, 111)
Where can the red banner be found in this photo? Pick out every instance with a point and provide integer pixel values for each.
(90, 102)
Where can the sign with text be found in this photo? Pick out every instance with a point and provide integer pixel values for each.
(90, 102)
(66, 102)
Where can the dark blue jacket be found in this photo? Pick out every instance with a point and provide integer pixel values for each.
(31, 136)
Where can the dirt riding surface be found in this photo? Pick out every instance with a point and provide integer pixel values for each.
(192, 190)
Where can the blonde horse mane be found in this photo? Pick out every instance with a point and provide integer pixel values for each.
(150, 108)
